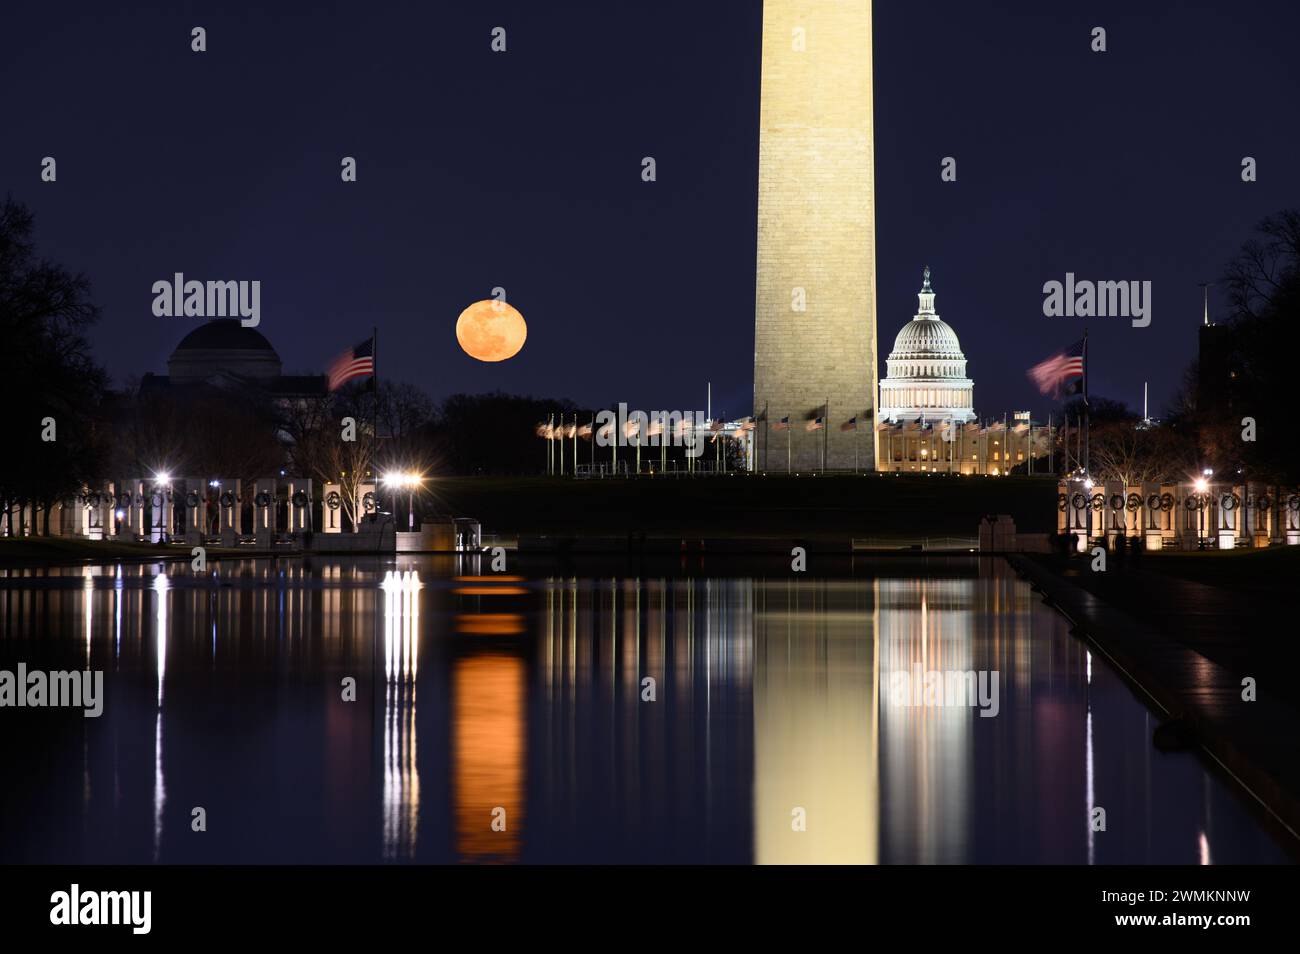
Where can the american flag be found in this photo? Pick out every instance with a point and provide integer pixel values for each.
(1056, 375)
(850, 425)
(356, 363)
(783, 424)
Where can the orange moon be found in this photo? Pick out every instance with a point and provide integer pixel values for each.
(491, 330)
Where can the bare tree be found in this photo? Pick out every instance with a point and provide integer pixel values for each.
(1131, 453)
(49, 384)
(1265, 266)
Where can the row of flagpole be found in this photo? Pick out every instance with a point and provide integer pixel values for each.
(1050, 375)
(557, 429)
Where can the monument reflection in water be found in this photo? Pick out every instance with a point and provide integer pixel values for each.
(498, 719)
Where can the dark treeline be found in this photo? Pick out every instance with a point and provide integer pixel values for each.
(1247, 369)
(49, 384)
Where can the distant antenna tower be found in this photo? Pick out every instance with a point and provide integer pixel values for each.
(1206, 292)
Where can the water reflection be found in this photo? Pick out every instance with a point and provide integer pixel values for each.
(401, 669)
(488, 754)
(578, 719)
(161, 632)
(816, 729)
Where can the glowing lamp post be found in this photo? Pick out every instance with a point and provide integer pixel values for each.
(410, 481)
(1202, 486)
(162, 485)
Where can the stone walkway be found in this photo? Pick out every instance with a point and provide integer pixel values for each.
(1187, 646)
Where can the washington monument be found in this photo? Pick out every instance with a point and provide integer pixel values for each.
(815, 321)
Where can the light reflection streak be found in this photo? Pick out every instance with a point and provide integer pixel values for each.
(117, 613)
(160, 587)
(401, 668)
(88, 606)
(1088, 770)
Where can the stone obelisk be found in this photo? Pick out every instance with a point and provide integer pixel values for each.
(815, 321)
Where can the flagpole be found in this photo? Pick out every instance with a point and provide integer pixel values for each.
(1086, 410)
(374, 419)
(1078, 446)
(663, 442)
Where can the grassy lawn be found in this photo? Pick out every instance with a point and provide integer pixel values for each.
(748, 506)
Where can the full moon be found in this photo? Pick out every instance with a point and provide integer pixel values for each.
(491, 330)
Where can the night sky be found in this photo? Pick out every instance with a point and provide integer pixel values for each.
(522, 170)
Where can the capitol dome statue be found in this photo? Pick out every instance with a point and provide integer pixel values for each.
(926, 372)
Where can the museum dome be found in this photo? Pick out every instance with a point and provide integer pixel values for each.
(926, 372)
(223, 347)
(227, 334)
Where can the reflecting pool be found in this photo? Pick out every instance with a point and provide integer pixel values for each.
(912, 710)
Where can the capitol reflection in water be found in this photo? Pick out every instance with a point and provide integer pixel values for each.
(501, 719)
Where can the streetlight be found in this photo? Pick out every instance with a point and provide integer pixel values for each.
(1203, 499)
(410, 481)
(162, 486)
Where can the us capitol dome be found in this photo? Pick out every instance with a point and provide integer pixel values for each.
(926, 372)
